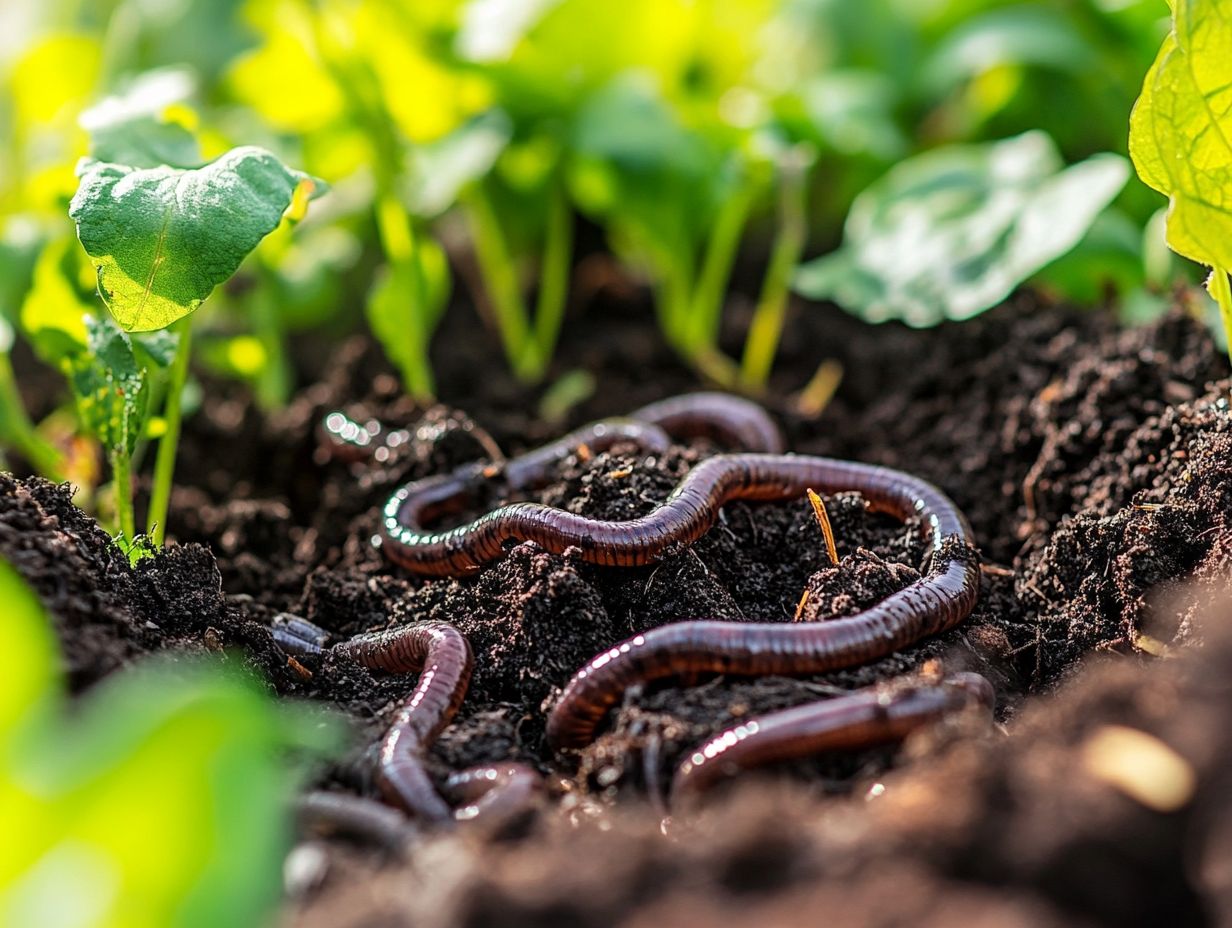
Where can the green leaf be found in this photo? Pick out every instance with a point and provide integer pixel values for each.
(28, 664)
(53, 315)
(1180, 133)
(405, 306)
(109, 387)
(162, 238)
(135, 128)
(950, 233)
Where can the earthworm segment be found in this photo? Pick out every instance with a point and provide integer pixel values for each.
(866, 718)
(443, 659)
(408, 541)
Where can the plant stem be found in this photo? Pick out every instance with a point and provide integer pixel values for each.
(500, 279)
(274, 380)
(164, 463)
(1219, 288)
(399, 242)
(122, 484)
(19, 431)
(762, 342)
(553, 278)
(708, 298)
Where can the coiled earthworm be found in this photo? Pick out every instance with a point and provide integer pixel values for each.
(866, 718)
(443, 657)
(410, 544)
(936, 602)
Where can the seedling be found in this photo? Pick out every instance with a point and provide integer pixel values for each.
(1180, 139)
(162, 235)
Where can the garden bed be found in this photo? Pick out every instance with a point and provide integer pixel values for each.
(1092, 461)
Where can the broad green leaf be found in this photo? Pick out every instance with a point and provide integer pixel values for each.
(109, 387)
(950, 233)
(138, 127)
(1180, 133)
(163, 238)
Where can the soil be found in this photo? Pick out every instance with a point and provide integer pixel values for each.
(1093, 462)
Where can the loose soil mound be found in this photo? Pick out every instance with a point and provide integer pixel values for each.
(1092, 461)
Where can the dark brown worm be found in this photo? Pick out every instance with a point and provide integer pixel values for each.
(732, 421)
(497, 792)
(443, 657)
(936, 602)
(866, 718)
(342, 438)
(410, 544)
(324, 813)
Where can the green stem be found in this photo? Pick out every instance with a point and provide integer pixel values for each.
(553, 278)
(766, 329)
(500, 280)
(1219, 288)
(273, 385)
(122, 484)
(164, 463)
(706, 316)
(399, 242)
(19, 431)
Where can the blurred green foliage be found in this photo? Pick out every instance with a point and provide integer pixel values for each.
(162, 800)
(706, 139)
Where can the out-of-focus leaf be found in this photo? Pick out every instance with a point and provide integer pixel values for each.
(1014, 35)
(156, 811)
(406, 302)
(27, 660)
(851, 112)
(1107, 261)
(54, 78)
(20, 244)
(441, 170)
(950, 233)
(109, 387)
(53, 314)
(137, 127)
(163, 238)
(1180, 134)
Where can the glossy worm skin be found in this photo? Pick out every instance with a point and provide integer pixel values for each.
(498, 792)
(465, 549)
(325, 813)
(863, 719)
(938, 601)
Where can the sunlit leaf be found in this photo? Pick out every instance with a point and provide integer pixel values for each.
(950, 233)
(27, 660)
(1181, 130)
(441, 170)
(53, 78)
(163, 238)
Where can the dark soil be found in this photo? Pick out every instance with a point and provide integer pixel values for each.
(1092, 461)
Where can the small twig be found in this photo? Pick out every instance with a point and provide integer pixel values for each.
(817, 393)
(800, 605)
(823, 519)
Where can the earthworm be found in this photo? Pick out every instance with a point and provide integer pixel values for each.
(938, 601)
(321, 812)
(410, 544)
(342, 438)
(732, 421)
(866, 718)
(498, 792)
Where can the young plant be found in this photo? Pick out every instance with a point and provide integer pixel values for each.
(162, 235)
(150, 811)
(950, 233)
(1180, 139)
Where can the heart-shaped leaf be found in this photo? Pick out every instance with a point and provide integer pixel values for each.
(162, 238)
